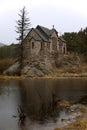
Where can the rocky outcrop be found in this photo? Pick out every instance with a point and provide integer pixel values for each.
(76, 119)
(67, 61)
(36, 69)
(31, 72)
(12, 70)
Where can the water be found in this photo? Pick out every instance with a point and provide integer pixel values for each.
(35, 96)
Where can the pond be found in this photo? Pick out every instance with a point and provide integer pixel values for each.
(35, 98)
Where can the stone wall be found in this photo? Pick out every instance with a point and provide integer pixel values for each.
(35, 47)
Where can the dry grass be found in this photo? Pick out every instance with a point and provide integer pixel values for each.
(80, 71)
(4, 77)
(5, 63)
(80, 124)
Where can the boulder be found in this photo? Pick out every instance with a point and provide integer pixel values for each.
(35, 72)
(12, 70)
(36, 68)
(67, 61)
(32, 72)
(44, 68)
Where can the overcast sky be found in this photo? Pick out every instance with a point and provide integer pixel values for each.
(65, 15)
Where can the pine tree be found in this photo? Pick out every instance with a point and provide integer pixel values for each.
(23, 25)
(22, 28)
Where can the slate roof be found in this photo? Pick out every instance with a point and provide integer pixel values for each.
(43, 37)
(43, 30)
(61, 40)
(47, 31)
(37, 37)
(44, 34)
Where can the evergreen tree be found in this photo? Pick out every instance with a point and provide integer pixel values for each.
(77, 42)
(22, 28)
(23, 25)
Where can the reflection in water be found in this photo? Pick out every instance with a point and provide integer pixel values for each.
(9, 99)
(38, 100)
(37, 96)
(83, 100)
(22, 116)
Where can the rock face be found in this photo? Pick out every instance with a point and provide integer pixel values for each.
(31, 72)
(67, 61)
(12, 70)
(36, 69)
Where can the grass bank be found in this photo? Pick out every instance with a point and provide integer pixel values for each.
(80, 71)
(80, 124)
(5, 77)
(65, 72)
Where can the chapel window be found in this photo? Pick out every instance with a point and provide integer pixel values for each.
(33, 45)
(42, 46)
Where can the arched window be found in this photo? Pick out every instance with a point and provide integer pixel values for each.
(41, 46)
(32, 45)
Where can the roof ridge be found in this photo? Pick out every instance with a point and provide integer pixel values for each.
(45, 30)
(43, 27)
